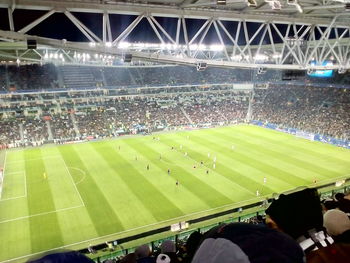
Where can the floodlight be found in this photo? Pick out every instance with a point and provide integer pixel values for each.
(221, 2)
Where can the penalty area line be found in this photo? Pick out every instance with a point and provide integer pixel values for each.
(40, 214)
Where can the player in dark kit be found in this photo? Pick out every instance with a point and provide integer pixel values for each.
(147, 167)
(169, 171)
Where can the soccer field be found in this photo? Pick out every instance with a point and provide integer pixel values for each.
(55, 196)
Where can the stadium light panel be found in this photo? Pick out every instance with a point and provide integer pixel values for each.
(216, 47)
(276, 55)
(260, 57)
(221, 2)
(236, 58)
(124, 45)
(92, 44)
(108, 44)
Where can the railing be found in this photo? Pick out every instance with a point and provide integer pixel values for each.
(325, 191)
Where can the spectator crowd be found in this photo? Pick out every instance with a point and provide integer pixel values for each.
(94, 114)
(318, 110)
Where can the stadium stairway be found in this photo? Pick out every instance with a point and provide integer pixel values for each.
(75, 125)
(186, 115)
(49, 131)
(21, 134)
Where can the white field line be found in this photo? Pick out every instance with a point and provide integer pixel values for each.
(35, 159)
(3, 175)
(25, 187)
(80, 170)
(15, 173)
(40, 214)
(71, 177)
(12, 198)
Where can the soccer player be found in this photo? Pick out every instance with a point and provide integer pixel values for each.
(207, 171)
(181, 147)
(257, 193)
(168, 171)
(201, 163)
(265, 179)
(214, 159)
(44, 175)
(185, 153)
(147, 167)
(135, 158)
(208, 155)
(214, 165)
(177, 183)
(160, 157)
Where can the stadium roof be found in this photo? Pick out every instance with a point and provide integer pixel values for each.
(282, 34)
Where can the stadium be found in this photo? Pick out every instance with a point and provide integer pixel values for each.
(131, 130)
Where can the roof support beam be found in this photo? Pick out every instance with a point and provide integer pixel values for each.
(86, 31)
(36, 22)
(169, 11)
(128, 30)
(9, 12)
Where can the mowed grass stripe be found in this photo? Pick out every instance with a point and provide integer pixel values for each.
(252, 159)
(214, 179)
(274, 166)
(281, 155)
(284, 158)
(99, 209)
(125, 204)
(45, 230)
(295, 146)
(152, 197)
(236, 177)
(157, 175)
(239, 166)
(202, 190)
(81, 228)
(313, 147)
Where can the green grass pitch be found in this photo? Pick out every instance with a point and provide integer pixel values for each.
(71, 195)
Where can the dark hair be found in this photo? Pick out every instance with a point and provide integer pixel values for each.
(330, 204)
(339, 196)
